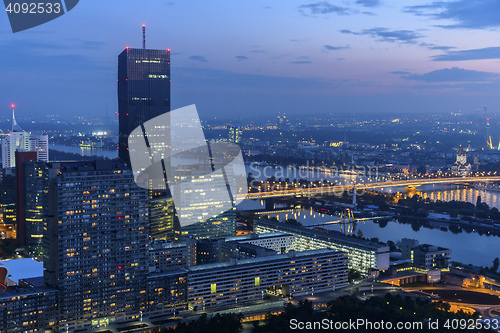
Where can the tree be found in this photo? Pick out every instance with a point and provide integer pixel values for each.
(383, 223)
(353, 274)
(218, 323)
(8, 247)
(293, 222)
(392, 246)
(496, 263)
(422, 170)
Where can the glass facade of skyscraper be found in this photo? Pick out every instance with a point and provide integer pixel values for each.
(143, 90)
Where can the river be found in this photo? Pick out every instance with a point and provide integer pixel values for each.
(85, 151)
(466, 247)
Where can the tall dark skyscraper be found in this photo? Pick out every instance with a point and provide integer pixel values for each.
(143, 90)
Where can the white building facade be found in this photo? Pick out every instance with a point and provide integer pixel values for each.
(19, 140)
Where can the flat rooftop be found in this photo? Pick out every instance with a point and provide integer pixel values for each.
(17, 291)
(25, 268)
(302, 254)
(254, 236)
(321, 235)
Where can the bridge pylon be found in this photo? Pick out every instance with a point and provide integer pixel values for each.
(346, 221)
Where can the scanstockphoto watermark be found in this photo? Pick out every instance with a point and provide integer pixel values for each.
(27, 14)
(451, 325)
(170, 153)
(358, 324)
(309, 180)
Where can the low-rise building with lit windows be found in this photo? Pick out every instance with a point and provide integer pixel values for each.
(277, 241)
(165, 256)
(364, 255)
(166, 292)
(239, 281)
(425, 256)
(28, 309)
(256, 245)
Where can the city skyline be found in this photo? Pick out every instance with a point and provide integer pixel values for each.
(343, 167)
(295, 57)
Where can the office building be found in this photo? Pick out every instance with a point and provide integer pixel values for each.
(8, 196)
(282, 122)
(165, 256)
(32, 202)
(161, 217)
(221, 226)
(425, 256)
(234, 134)
(19, 140)
(201, 193)
(407, 246)
(235, 250)
(277, 241)
(143, 91)
(208, 251)
(364, 256)
(256, 245)
(239, 281)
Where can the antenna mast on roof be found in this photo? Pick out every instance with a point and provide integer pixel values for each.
(144, 36)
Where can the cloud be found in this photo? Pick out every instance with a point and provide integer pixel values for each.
(386, 35)
(301, 62)
(400, 73)
(472, 14)
(436, 47)
(198, 58)
(93, 45)
(241, 58)
(474, 54)
(323, 7)
(368, 3)
(258, 51)
(335, 48)
(454, 74)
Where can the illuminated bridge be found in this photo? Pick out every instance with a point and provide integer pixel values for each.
(329, 190)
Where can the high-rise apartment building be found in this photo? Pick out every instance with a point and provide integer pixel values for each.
(19, 140)
(95, 246)
(143, 91)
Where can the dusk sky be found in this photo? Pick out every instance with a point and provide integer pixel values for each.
(241, 59)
